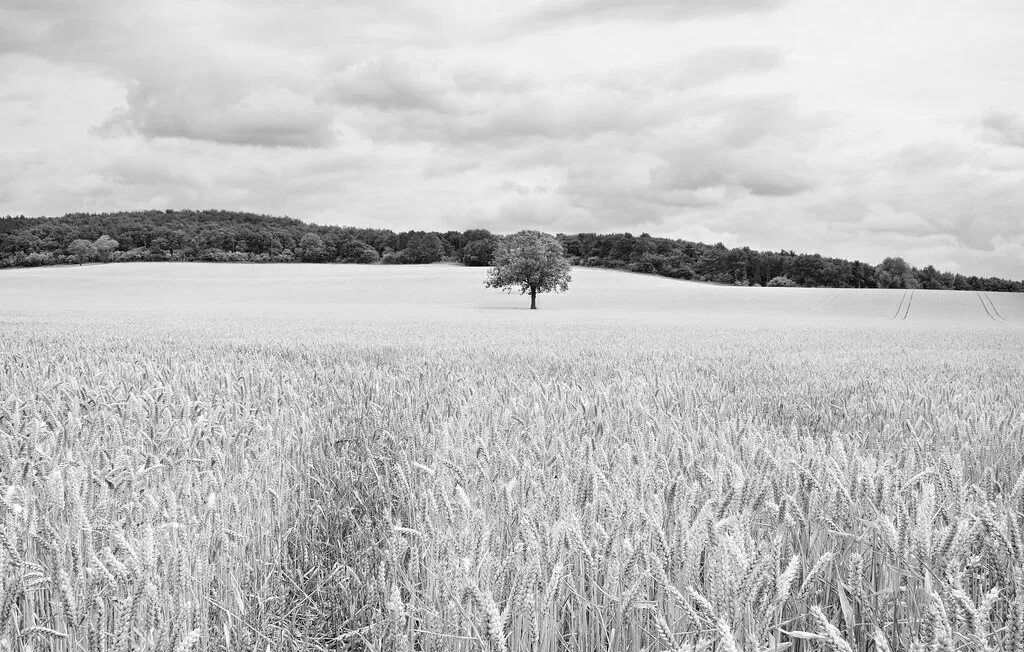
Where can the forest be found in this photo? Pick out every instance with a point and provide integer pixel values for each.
(229, 236)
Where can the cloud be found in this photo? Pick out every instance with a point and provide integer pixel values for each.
(693, 72)
(1005, 128)
(445, 168)
(883, 218)
(270, 117)
(397, 82)
(417, 98)
(758, 122)
(508, 185)
(708, 160)
(960, 190)
(696, 171)
(561, 11)
(717, 64)
(550, 213)
(180, 80)
(191, 173)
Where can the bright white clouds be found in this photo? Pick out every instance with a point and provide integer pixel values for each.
(859, 130)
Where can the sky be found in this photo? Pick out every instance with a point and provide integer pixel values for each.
(860, 130)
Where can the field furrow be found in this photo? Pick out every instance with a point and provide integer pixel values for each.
(393, 478)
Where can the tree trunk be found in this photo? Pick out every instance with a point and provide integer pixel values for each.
(533, 298)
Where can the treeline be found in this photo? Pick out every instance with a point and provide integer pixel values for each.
(228, 236)
(223, 236)
(745, 266)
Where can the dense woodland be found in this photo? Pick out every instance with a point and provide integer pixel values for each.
(227, 236)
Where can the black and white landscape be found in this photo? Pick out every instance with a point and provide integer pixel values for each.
(549, 326)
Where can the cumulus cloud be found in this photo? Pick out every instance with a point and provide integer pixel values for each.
(407, 97)
(397, 82)
(412, 96)
(725, 62)
(180, 78)
(969, 195)
(732, 120)
(560, 11)
(730, 172)
(272, 117)
(1005, 128)
(883, 218)
(508, 185)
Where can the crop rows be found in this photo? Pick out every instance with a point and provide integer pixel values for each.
(427, 486)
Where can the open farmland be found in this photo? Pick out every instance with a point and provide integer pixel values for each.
(373, 458)
(455, 293)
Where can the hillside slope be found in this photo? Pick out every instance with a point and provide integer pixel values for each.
(359, 292)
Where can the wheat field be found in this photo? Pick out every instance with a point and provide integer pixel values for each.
(386, 473)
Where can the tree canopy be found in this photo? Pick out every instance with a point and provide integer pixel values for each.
(531, 262)
(231, 236)
(896, 273)
(82, 250)
(781, 282)
(105, 246)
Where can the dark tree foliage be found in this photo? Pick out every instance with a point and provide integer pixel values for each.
(479, 253)
(422, 248)
(187, 235)
(312, 249)
(781, 282)
(354, 251)
(896, 273)
(476, 247)
(531, 262)
(82, 250)
(743, 266)
(229, 236)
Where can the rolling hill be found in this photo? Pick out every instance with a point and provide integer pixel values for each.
(451, 292)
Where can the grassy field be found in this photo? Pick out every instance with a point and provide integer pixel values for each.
(199, 457)
(456, 293)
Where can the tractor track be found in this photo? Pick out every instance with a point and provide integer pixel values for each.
(899, 308)
(905, 302)
(827, 300)
(910, 302)
(989, 312)
(992, 304)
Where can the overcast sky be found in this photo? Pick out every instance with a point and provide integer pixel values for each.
(858, 129)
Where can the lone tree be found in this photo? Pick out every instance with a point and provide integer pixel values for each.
(529, 261)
